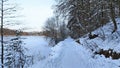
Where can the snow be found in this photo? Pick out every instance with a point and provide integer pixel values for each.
(70, 54)
(37, 47)
(41, 44)
(109, 41)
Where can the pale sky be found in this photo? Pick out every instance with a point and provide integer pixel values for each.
(35, 13)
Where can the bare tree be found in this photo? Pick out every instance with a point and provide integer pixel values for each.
(84, 16)
(50, 30)
(112, 13)
(55, 30)
(2, 47)
(119, 7)
(6, 12)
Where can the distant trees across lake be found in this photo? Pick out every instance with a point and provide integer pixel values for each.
(13, 32)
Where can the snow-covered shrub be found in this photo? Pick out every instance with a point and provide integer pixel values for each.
(15, 52)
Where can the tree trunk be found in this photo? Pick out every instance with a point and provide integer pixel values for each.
(119, 7)
(112, 13)
(102, 15)
(2, 47)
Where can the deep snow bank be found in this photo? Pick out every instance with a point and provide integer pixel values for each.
(106, 39)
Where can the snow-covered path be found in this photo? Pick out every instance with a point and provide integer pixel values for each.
(69, 54)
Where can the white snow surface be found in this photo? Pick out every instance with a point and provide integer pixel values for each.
(37, 47)
(70, 54)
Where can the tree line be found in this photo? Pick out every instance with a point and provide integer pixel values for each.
(12, 32)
